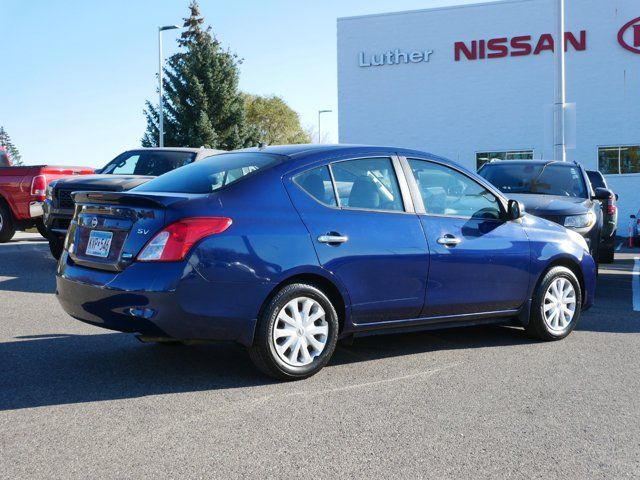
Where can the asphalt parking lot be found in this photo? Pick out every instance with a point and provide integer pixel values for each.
(80, 402)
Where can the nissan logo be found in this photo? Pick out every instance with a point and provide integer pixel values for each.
(94, 222)
(629, 36)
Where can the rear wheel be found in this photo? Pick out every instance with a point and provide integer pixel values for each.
(7, 225)
(607, 252)
(42, 230)
(56, 245)
(296, 333)
(556, 305)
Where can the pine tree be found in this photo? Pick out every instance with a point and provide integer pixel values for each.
(202, 104)
(7, 144)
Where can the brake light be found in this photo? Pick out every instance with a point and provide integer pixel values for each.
(174, 242)
(39, 187)
(611, 206)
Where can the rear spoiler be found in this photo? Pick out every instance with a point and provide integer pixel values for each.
(131, 199)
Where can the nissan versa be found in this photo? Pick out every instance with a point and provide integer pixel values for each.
(287, 249)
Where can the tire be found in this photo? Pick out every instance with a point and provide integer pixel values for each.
(286, 363)
(541, 324)
(42, 230)
(7, 225)
(56, 246)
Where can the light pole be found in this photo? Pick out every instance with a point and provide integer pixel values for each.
(320, 112)
(160, 62)
(559, 137)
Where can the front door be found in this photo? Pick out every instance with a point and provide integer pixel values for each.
(479, 261)
(363, 234)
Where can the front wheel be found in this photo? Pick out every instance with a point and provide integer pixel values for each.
(296, 333)
(556, 305)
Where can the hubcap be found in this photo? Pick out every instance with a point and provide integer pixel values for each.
(559, 304)
(300, 331)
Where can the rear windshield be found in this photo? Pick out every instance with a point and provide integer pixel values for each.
(542, 179)
(148, 162)
(596, 179)
(4, 159)
(210, 174)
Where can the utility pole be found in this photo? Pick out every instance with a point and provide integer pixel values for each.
(559, 131)
(160, 62)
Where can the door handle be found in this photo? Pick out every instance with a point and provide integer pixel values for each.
(332, 239)
(449, 241)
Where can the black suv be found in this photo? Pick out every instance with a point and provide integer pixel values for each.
(557, 191)
(126, 171)
(610, 217)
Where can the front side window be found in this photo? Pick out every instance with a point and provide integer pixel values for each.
(317, 183)
(617, 160)
(210, 174)
(448, 192)
(151, 163)
(485, 157)
(539, 178)
(368, 183)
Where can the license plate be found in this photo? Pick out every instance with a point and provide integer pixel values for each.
(99, 243)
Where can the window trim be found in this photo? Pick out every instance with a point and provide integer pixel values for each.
(619, 147)
(419, 202)
(333, 186)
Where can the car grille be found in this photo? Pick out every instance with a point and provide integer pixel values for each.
(64, 199)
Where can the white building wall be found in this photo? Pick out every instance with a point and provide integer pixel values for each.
(456, 109)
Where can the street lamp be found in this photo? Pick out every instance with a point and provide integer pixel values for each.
(559, 134)
(320, 112)
(160, 62)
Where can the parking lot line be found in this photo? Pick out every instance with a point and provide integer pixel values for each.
(635, 283)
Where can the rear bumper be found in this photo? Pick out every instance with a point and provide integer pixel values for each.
(35, 209)
(143, 299)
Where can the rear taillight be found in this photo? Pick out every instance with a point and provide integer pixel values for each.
(39, 187)
(174, 242)
(611, 206)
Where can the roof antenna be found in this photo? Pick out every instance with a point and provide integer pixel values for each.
(262, 145)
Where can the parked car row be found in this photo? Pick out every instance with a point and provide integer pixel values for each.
(287, 249)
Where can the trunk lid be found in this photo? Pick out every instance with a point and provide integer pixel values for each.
(109, 229)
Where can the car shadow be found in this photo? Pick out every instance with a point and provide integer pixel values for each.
(60, 369)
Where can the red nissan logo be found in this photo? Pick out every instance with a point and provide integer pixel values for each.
(630, 41)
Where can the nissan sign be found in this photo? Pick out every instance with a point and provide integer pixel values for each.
(629, 36)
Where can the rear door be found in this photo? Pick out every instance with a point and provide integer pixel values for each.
(479, 262)
(361, 220)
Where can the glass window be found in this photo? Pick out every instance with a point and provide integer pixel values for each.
(210, 174)
(368, 183)
(152, 163)
(615, 160)
(596, 179)
(557, 178)
(445, 191)
(484, 157)
(317, 183)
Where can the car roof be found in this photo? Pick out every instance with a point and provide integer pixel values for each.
(307, 153)
(531, 162)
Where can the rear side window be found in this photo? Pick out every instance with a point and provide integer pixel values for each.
(317, 183)
(210, 174)
(368, 183)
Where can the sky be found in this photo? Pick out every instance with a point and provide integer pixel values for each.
(75, 74)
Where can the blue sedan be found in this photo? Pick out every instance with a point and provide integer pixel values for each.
(287, 249)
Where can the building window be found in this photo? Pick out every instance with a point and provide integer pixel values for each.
(616, 160)
(484, 157)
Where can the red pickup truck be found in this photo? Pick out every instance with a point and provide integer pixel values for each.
(22, 193)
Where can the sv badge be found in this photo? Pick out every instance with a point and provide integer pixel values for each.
(143, 231)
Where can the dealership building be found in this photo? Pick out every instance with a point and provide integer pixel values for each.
(477, 82)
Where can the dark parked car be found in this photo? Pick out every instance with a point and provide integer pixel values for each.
(610, 217)
(286, 249)
(558, 191)
(127, 170)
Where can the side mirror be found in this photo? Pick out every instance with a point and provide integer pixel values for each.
(515, 210)
(632, 216)
(617, 197)
(602, 194)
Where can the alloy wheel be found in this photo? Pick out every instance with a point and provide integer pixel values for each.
(300, 331)
(559, 305)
